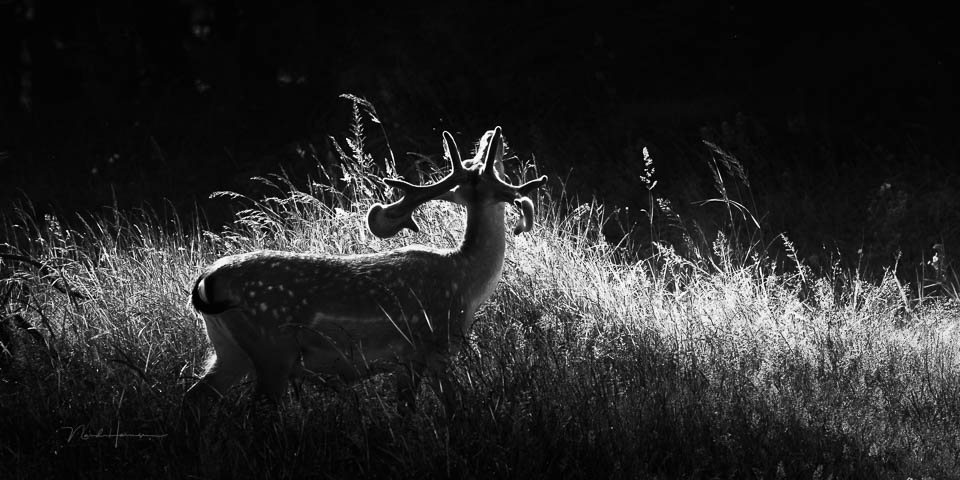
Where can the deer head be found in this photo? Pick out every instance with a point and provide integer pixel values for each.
(468, 183)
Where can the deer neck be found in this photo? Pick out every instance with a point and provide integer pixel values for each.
(483, 248)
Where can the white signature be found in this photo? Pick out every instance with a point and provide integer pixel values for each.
(80, 432)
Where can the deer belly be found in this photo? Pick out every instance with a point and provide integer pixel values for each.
(353, 351)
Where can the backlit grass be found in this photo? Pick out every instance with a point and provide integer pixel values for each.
(587, 362)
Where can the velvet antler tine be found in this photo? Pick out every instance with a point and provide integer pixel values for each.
(531, 185)
(451, 151)
(401, 185)
(493, 152)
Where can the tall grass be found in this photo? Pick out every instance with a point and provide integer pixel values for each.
(588, 362)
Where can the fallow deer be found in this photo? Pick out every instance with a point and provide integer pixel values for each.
(279, 314)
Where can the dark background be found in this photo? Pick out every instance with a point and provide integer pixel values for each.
(843, 116)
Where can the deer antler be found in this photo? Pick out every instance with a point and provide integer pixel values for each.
(505, 192)
(387, 221)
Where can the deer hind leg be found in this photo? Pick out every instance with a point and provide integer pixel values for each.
(246, 343)
(227, 366)
(274, 362)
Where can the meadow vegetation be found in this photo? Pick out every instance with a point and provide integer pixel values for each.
(592, 359)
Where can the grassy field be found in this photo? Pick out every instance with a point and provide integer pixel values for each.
(588, 362)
